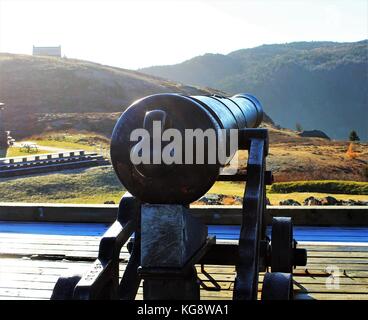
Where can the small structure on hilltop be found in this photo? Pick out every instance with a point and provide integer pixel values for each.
(47, 51)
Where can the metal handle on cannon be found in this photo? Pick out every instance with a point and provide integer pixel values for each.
(154, 123)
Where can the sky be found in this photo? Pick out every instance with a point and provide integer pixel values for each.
(136, 34)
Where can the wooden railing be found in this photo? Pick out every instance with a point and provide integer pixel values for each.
(41, 163)
(220, 215)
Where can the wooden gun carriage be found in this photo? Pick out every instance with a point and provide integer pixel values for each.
(168, 241)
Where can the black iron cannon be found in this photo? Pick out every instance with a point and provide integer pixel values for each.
(164, 168)
(178, 183)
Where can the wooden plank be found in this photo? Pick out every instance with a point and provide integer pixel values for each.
(10, 262)
(80, 251)
(322, 272)
(30, 278)
(46, 237)
(14, 294)
(40, 244)
(331, 296)
(346, 267)
(14, 284)
(20, 293)
(20, 298)
(313, 250)
(337, 254)
(343, 248)
(302, 280)
(27, 278)
(30, 291)
(48, 246)
(340, 260)
(13, 238)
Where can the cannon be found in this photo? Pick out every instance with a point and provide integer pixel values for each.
(168, 150)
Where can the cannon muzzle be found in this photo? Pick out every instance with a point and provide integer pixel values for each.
(169, 148)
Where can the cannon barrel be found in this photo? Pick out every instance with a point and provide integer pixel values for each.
(181, 178)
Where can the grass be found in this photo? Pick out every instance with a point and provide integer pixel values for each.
(64, 140)
(73, 140)
(94, 185)
(325, 186)
(237, 189)
(65, 145)
(17, 151)
(228, 188)
(98, 185)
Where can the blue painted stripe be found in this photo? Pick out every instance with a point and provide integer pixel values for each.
(51, 228)
(317, 234)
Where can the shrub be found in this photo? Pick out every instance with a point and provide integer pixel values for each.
(353, 136)
(325, 186)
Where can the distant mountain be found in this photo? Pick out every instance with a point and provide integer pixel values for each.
(42, 92)
(319, 85)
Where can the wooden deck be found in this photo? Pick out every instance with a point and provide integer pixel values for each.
(34, 255)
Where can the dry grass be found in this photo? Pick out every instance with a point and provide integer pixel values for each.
(295, 158)
(17, 151)
(97, 185)
(93, 185)
(237, 189)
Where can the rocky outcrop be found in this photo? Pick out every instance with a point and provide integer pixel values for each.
(312, 201)
(289, 202)
(331, 201)
(222, 199)
(219, 199)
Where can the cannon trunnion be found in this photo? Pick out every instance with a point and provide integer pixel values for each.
(168, 241)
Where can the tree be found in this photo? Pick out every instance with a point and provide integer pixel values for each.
(298, 127)
(354, 136)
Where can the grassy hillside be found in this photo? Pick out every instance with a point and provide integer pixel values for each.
(64, 103)
(321, 85)
(94, 185)
(291, 157)
(44, 93)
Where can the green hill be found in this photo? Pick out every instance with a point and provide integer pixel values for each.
(320, 85)
(45, 93)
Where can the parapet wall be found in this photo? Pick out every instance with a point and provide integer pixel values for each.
(218, 215)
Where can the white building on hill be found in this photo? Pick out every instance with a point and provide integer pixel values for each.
(47, 51)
